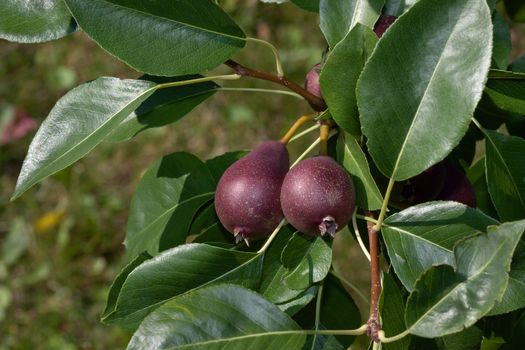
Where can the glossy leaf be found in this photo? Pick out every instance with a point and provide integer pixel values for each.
(164, 107)
(392, 308)
(419, 89)
(169, 194)
(79, 121)
(446, 300)
(164, 38)
(340, 73)
(35, 21)
(505, 173)
(354, 161)
(178, 271)
(291, 307)
(223, 317)
(514, 296)
(307, 259)
(507, 93)
(502, 45)
(337, 18)
(424, 235)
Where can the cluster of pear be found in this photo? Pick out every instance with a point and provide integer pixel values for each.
(255, 193)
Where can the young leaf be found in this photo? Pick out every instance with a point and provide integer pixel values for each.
(513, 298)
(35, 21)
(168, 196)
(446, 300)
(175, 272)
(164, 107)
(505, 173)
(164, 38)
(340, 73)
(354, 161)
(419, 89)
(424, 235)
(79, 121)
(218, 317)
(337, 18)
(307, 260)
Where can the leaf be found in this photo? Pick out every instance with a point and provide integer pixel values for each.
(337, 18)
(164, 38)
(223, 317)
(340, 73)
(505, 173)
(502, 45)
(354, 161)
(169, 194)
(424, 235)
(78, 123)
(419, 89)
(291, 307)
(467, 339)
(445, 301)
(175, 272)
(35, 21)
(219, 164)
(307, 259)
(513, 298)
(392, 306)
(507, 94)
(309, 5)
(164, 107)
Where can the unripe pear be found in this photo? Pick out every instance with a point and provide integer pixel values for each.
(247, 199)
(318, 196)
(311, 83)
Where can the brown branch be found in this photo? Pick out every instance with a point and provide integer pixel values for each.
(374, 324)
(315, 102)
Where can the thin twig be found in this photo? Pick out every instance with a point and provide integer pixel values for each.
(315, 102)
(374, 324)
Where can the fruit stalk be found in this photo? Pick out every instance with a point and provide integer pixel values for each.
(374, 325)
(324, 131)
(298, 123)
(315, 102)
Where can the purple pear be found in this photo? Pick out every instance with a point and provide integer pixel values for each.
(318, 196)
(383, 23)
(311, 82)
(457, 186)
(247, 199)
(425, 186)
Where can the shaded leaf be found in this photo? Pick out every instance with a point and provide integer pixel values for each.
(340, 73)
(446, 300)
(307, 259)
(354, 161)
(162, 209)
(337, 18)
(218, 317)
(164, 38)
(419, 89)
(309, 5)
(177, 271)
(502, 45)
(164, 107)
(467, 339)
(505, 174)
(392, 307)
(77, 123)
(35, 21)
(424, 235)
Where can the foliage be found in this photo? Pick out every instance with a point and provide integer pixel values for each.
(401, 104)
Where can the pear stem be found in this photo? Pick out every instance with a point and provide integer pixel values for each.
(272, 236)
(298, 123)
(323, 137)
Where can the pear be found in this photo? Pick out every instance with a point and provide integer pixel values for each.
(247, 199)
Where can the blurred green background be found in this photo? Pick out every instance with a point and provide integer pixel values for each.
(61, 242)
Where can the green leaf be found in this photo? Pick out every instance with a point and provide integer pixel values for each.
(467, 339)
(419, 89)
(424, 235)
(272, 286)
(78, 123)
(164, 107)
(164, 38)
(291, 307)
(502, 45)
(340, 73)
(35, 21)
(337, 18)
(445, 300)
(476, 176)
(507, 93)
(354, 161)
(392, 306)
(308, 5)
(169, 194)
(177, 271)
(307, 259)
(515, 9)
(219, 164)
(505, 173)
(223, 317)
(513, 298)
